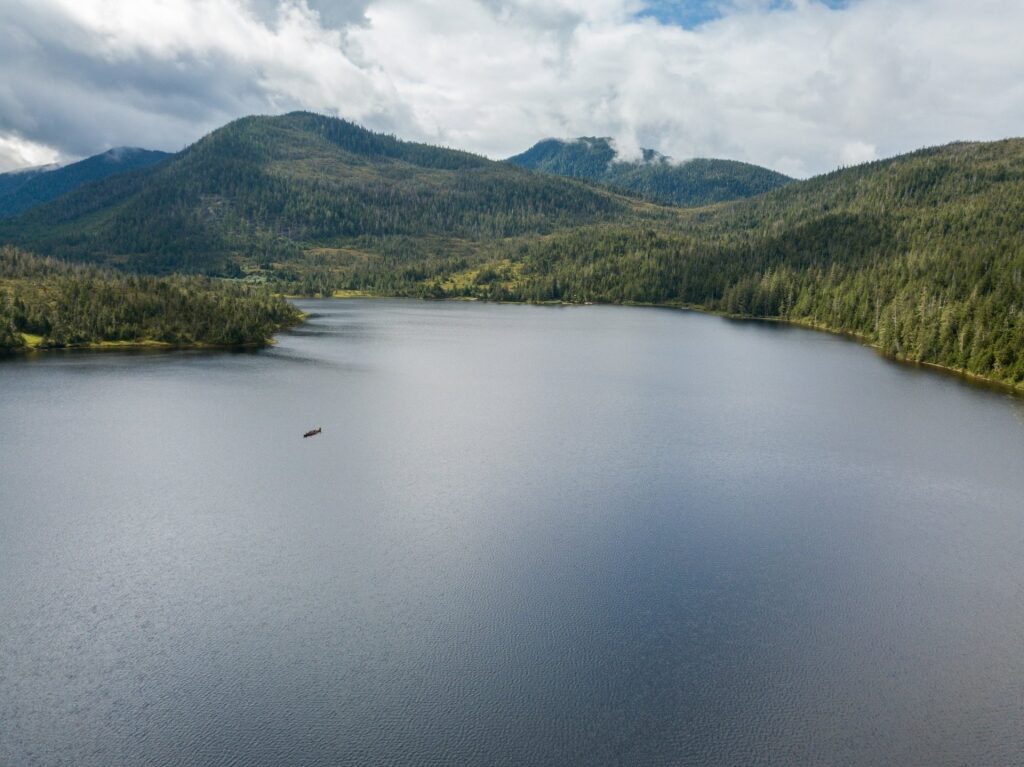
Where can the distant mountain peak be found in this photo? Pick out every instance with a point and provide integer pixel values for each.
(603, 146)
(24, 189)
(32, 169)
(121, 153)
(653, 175)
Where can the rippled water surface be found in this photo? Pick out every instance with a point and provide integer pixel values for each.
(526, 536)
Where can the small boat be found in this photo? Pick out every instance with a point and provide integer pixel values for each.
(312, 432)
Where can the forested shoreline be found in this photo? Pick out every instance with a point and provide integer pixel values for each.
(921, 255)
(50, 304)
(890, 305)
(970, 356)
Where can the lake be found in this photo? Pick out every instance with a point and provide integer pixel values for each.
(526, 536)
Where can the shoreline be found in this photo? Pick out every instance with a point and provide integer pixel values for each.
(119, 346)
(974, 378)
(34, 344)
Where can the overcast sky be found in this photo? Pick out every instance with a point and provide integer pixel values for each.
(801, 86)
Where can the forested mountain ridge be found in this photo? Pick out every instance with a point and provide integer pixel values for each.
(922, 255)
(22, 190)
(266, 188)
(11, 181)
(45, 303)
(653, 176)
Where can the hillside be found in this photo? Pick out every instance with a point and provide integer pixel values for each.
(22, 190)
(654, 176)
(921, 255)
(46, 303)
(265, 189)
(12, 181)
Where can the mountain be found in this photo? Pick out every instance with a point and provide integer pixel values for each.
(921, 255)
(24, 189)
(12, 181)
(654, 176)
(270, 188)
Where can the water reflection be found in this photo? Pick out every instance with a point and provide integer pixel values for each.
(527, 535)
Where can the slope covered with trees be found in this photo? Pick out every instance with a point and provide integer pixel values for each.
(265, 188)
(922, 255)
(22, 190)
(654, 176)
(52, 304)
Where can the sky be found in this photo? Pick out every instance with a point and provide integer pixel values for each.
(800, 86)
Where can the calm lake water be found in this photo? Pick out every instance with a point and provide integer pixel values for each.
(526, 536)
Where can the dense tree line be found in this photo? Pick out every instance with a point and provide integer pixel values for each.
(72, 305)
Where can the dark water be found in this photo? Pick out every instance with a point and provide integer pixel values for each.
(526, 536)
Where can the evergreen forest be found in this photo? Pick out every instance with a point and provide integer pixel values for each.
(45, 303)
(921, 255)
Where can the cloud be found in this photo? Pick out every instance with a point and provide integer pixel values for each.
(82, 76)
(802, 86)
(16, 152)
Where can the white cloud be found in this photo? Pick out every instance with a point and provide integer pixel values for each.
(857, 152)
(16, 152)
(802, 89)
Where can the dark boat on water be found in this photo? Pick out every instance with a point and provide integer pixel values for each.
(312, 432)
